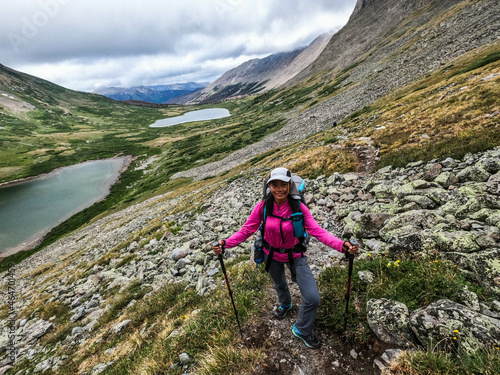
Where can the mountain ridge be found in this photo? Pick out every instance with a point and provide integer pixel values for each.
(159, 94)
(259, 75)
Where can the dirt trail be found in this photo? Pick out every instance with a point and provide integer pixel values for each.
(285, 354)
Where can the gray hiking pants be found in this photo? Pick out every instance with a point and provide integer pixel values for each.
(308, 291)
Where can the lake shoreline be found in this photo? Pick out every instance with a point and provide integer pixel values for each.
(35, 240)
(206, 114)
(129, 159)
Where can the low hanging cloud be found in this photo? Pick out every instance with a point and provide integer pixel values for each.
(87, 44)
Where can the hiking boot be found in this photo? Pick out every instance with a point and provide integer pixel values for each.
(281, 311)
(311, 341)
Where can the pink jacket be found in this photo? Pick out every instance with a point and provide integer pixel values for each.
(272, 233)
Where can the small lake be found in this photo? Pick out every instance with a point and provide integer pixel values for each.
(201, 115)
(29, 209)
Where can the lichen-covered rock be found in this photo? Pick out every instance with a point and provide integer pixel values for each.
(493, 184)
(406, 239)
(473, 173)
(469, 299)
(459, 241)
(493, 219)
(368, 225)
(446, 179)
(483, 266)
(367, 277)
(118, 328)
(451, 326)
(490, 164)
(421, 200)
(405, 231)
(384, 208)
(390, 321)
(382, 190)
(403, 190)
(419, 219)
(439, 195)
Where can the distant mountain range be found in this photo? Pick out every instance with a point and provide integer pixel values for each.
(153, 94)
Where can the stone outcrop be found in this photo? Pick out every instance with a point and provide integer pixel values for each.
(390, 321)
(446, 323)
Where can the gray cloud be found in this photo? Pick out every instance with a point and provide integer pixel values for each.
(84, 44)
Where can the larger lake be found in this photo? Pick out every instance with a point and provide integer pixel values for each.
(29, 209)
(201, 115)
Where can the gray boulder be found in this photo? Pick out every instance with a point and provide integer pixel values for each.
(493, 184)
(390, 321)
(181, 263)
(179, 253)
(459, 241)
(432, 171)
(367, 277)
(101, 367)
(368, 225)
(490, 164)
(450, 326)
(446, 179)
(421, 200)
(36, 329)
(475, 173)
(482, 266)
(383, 190)
(118, 328)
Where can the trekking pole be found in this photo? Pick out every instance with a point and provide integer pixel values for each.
(353, 242)
(221, 260)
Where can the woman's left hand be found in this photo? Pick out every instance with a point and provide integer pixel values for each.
(347, 247)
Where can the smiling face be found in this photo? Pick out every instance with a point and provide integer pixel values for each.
(280, 190)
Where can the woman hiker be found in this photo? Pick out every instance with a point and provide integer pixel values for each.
(282, 247)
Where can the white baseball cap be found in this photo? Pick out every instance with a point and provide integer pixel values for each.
(281, 174)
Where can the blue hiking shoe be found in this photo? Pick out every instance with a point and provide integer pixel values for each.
(311, 341)
(281, 311)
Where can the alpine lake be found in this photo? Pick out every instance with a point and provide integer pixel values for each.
(29, 209)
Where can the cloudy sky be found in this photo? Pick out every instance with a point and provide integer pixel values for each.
(88, 44)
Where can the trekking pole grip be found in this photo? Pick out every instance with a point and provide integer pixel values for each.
(220, 257)
(353, 241)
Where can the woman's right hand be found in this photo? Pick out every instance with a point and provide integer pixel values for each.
(218, 248)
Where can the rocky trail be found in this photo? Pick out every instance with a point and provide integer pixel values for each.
(285, 354)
